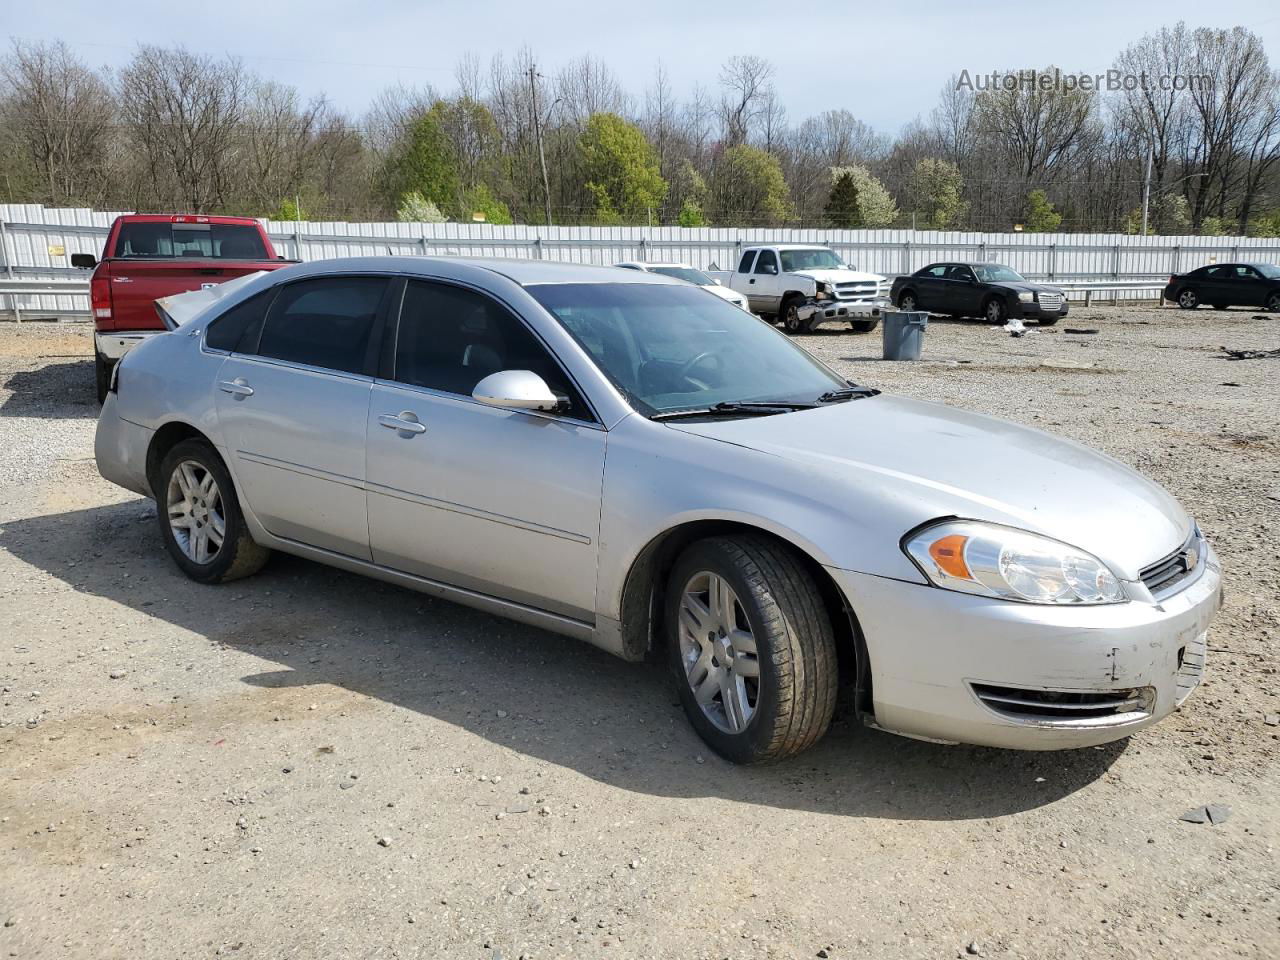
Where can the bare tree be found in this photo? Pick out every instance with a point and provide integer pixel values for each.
(59, 114)
(746, 82)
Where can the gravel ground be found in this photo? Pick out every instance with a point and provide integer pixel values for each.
(312, 765)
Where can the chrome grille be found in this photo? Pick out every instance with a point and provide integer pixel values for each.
(856, 291)
(1191, 666)
(1166, 574)
(1050, 301)
(1069, 707)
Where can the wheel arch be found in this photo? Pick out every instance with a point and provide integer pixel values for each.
(165, 439)
(644, 592)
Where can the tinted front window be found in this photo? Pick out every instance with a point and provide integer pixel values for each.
(672, 348)
(451, 338)
(817, 259)
(206, 241)
(768, 262)
(238, 328)
(324, 323)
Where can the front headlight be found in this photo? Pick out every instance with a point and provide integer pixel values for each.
(825, 291)
(1026, 296)
(997, 561)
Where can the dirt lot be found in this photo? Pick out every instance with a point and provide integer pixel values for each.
(311, 765)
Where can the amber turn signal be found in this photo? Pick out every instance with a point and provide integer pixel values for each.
(948, 554)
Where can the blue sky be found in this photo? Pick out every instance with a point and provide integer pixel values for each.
(883, 62)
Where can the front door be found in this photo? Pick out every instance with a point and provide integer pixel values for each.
(502, 502)
(766, 284)
(293, 407)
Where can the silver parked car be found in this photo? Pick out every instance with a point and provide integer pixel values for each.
(616, 456)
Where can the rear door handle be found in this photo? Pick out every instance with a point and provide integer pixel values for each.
(237, 388)
(406, 422)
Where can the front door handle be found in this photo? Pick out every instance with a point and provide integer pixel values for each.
(238, 388)
(404, 423)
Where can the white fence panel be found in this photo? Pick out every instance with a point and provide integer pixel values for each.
(37, 243)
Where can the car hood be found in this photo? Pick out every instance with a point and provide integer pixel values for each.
(840, 276)
(1028, 286)
(908, 462)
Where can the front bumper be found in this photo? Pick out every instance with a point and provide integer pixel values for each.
(1033, 311)
(937, 656)
(814, 312)
(113, 346)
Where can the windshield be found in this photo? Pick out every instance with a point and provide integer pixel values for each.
(1268, 270)
(207, 241)
(815, 259)
(684, 273)
(674, 348)
(989, 273)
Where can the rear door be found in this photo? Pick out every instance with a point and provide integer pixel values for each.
(503, 502)
(293, 403)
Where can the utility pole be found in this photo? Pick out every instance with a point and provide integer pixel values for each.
(537, 135)
(1146, 187)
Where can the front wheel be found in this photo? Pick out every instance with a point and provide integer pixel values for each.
(200, 519)
(752, 648)
(1188, 300)
(790, 316)
(1273, 302)
(995, 311)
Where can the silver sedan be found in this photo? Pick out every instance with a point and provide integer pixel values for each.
(616, 456)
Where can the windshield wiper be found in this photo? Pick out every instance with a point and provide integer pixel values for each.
(761, 408)
(850, 392)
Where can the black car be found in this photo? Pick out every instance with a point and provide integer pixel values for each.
(1225, 285)
(989, 290)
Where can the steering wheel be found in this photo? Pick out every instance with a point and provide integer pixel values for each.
(687, 367)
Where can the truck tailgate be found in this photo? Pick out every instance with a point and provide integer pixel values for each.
(137, 284)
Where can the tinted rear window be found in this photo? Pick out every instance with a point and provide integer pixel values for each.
(206, 241)
(238, 328)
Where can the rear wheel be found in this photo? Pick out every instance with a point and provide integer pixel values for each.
(907, 302)
(1188, 300)
(752, 648)
(200, 519)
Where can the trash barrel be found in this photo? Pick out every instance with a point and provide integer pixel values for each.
(903, 334)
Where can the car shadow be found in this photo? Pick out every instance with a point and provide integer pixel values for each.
(55, 390)
(561, 701)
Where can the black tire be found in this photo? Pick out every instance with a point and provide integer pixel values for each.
(102, 375)
(795, 646)
(790, 316)
(994, 311)
(864, 326)
(1273, 302)
(907, 301)
(1187, 299)
(238, 555)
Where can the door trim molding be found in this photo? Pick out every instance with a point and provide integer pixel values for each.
(448, 505)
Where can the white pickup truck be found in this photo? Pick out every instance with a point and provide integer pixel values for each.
(802, 285)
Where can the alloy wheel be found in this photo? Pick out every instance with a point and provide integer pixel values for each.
(718, 652)
(197, 519)
(995, 311)
(1187, 299)
(907, 304)
(1273, 303)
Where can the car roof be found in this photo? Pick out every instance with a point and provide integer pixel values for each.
(650, 264)
(787, 246)
(522, 271)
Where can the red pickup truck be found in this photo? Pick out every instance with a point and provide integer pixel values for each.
(150, 256)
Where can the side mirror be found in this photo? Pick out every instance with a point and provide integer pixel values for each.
(515, 390)
(770, 269)
(86, 261)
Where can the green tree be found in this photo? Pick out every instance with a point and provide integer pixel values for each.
(423, 162)
(1041, 215)
(480, 199)
(691, 214)
(935, 187)
(289, 209)
(1265, 225)
(875, 204)
(415, 208)
(748, 188)
(842, 206)
(621, 170)
(1213, 227)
